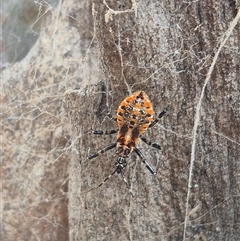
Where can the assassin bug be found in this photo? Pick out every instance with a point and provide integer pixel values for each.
(134, 117)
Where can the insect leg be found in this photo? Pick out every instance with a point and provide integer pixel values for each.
(155, 145)
(99, 132)
(148, 166)
(158, 118)
(107, 148)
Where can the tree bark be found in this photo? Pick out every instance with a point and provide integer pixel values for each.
(166, 49)
(91, 55)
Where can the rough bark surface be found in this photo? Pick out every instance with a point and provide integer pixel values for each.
(35, 139)
(91, 55)
(166, 49)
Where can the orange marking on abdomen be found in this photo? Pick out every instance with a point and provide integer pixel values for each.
(136, 112)
(134, 116)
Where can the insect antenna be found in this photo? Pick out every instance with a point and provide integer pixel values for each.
(103, 181)
(135, 199)
(128, 186)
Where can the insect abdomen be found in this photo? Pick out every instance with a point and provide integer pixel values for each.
(136, 112)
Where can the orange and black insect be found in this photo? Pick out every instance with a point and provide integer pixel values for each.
(134, 117)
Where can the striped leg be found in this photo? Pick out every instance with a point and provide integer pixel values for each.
(148, 166)
(158, 118)
(99, 132)
(100, 152)
(108, 177)
(155, 145)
